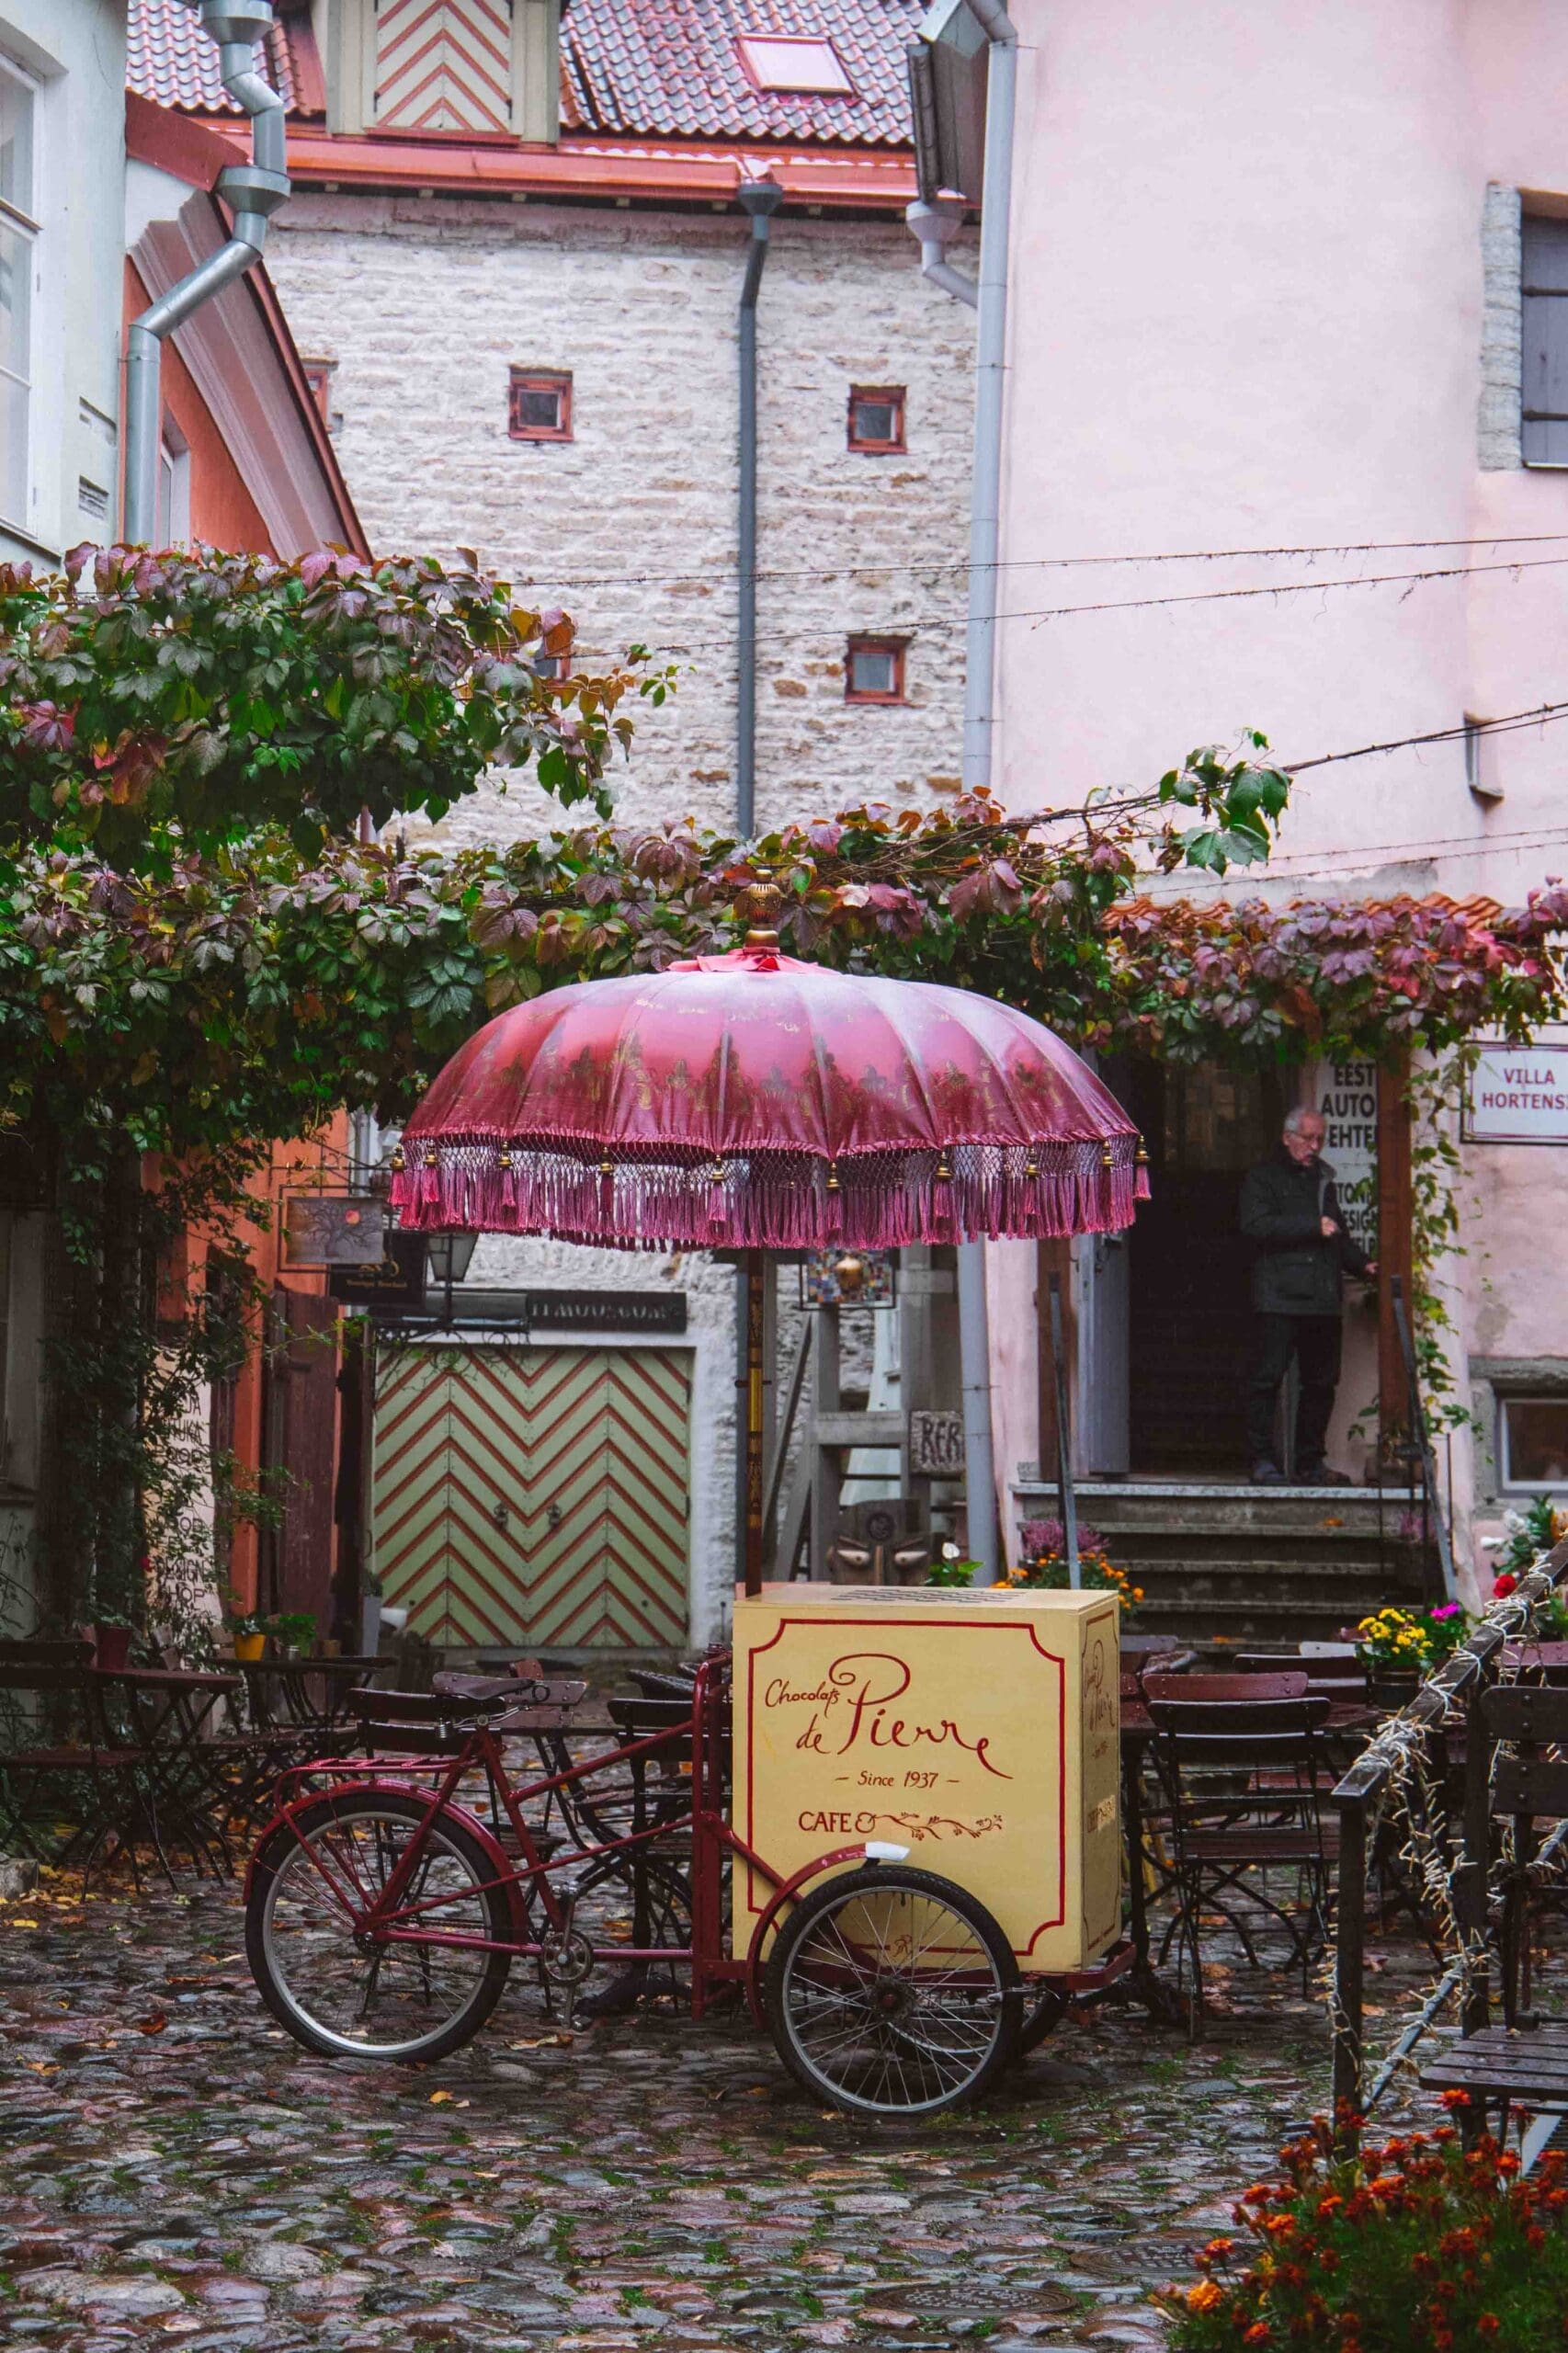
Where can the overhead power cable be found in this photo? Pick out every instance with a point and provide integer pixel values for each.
(1034, 563)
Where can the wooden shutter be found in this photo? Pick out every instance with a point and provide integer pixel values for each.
(302, 1425)
(1544, 325)
(444, 65)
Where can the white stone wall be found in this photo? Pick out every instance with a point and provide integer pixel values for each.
(426, 305)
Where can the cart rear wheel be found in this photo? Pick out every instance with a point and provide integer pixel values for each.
(890, 1992)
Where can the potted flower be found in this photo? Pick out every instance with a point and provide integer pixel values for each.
(1045, 1565)
(292, 1632)
(249, 1632)
(1399, 1648)
(951, 1569)
(111, 1639)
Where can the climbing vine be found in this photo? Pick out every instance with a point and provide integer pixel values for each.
(197, 956)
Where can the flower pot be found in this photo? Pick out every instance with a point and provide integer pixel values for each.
(113, 1646)
(1392, 1687)
(248, 1648)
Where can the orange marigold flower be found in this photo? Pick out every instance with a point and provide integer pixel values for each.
(1280, 2226)
(1534, 2238)
(1219, 2249)
(1331, 2204)
(1258, 2334)
(1487, 2324)
(1456, 2099)
(1204, 2297)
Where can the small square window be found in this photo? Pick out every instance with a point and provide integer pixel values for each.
(319, 374)
(874, 670)
(540, 405)
(876, 416)
(808, 68)
(1532, 1441)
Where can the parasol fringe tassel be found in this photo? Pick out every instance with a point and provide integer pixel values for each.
(774, 1200)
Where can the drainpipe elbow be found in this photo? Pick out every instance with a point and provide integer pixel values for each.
(994, 21)
(935, 226)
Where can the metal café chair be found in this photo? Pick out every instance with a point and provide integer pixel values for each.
(91, 1779)
(1241, 1757)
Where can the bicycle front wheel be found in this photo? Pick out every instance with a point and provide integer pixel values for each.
(359, 1997)
(890, 1992)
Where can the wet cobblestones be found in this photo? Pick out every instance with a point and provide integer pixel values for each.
(177, 2171)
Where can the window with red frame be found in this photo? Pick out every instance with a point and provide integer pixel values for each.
(540, 406)
(876, 417)
(873, 669)
(319, 374)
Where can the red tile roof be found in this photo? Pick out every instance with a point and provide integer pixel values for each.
(658, 69)
(170, 60)
(670, 69)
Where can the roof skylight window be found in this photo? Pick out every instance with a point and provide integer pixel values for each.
(811, 68)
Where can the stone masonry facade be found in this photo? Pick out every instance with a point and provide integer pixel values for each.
(426, 305)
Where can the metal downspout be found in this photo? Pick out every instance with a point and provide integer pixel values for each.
(934, 225)
(760, 199)
(254, 192)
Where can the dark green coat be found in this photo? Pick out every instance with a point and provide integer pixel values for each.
(1297, 1270)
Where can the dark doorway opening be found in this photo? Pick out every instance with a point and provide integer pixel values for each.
(1190, 1317)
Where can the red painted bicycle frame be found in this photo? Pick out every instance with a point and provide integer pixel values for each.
(386, 1915)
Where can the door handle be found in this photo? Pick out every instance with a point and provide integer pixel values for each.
(501, 1516)
(554, 1515)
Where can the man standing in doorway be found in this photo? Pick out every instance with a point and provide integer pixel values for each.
(1291, 1211)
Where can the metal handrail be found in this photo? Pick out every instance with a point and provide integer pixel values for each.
(1355, 1797)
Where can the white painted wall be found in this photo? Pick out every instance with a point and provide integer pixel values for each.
(75, 48)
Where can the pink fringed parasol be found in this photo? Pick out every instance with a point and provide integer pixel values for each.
(750, 1102)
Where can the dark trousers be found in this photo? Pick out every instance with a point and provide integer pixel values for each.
(1314, 1341)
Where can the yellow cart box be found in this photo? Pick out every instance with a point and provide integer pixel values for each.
(977, 1729)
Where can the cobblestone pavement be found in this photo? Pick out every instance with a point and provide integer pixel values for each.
(175, 2170)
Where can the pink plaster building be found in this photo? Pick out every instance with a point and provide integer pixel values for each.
(1289, 309)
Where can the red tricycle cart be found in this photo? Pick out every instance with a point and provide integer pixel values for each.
(389, 1896)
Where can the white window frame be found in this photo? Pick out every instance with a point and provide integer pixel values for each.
(29, 226)
(1507, 1483)
(172, 516)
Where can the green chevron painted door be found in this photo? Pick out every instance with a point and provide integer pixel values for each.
(534, 1497)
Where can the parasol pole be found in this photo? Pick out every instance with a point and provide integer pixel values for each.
(756, 1292)
(1064, 1443)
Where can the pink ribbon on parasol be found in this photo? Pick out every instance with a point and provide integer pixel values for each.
(752, 1101)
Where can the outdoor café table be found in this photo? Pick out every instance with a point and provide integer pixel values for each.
(280, 1691)
(164, 1712)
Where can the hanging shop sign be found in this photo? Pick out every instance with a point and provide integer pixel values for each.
(395, 1281)
(1518, 1095)
(334, 1230)
(1346, 1095)
(604, 1310)
(846, 1279)
(936, 1445)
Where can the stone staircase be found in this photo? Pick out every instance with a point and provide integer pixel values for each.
(1262, 1567)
